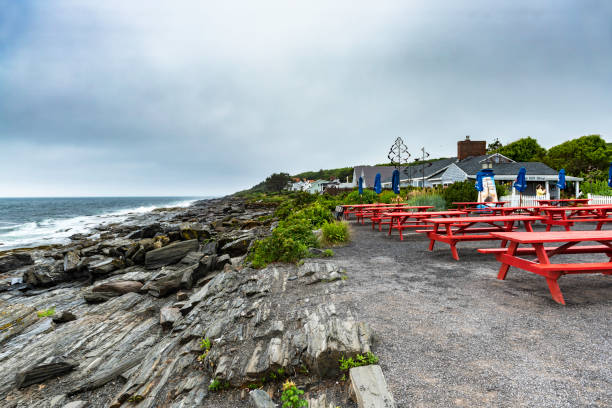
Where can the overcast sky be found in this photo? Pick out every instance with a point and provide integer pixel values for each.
(121, 97)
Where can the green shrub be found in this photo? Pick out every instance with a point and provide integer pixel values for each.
(218, 385)
(335, 232)
(368, 197)
(291, 396)
(316, 214)
(461, 191)
(328, 253)
(386, 196)
(598, 187)
(359, 360)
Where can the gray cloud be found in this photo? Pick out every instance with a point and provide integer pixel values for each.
(201, 98)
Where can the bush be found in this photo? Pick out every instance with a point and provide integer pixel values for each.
(316, 214)
(368, 197)
(335, 233)
(461, 191)
(386, 196)
(289, 242)
(598, 187)
(435, 200)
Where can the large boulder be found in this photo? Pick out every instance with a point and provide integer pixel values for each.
(71, 261)
(105, 266)
(47, 273)
(194, 230)
(170, 281)
(238, 247)
(15, 261)
(42, 372)
(170, 254)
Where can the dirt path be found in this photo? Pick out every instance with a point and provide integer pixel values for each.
(450, 334)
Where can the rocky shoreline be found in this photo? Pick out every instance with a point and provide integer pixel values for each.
(118, 317)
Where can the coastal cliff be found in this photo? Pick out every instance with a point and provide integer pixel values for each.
(162, 310)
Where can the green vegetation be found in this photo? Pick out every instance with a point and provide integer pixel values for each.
(218, 385)
(328, 253)
(523, 150)
(46, 313)
(291, 396)
(428, 198)
(340, 174)
(336, 232)
(359, 360)
(205, 346)
(581, 155)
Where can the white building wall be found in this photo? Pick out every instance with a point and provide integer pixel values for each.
(453, 174)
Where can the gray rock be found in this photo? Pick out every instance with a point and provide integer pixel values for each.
(238, 247)
(63, 317)
(194, 230)
(42, 372)
(45, 274)
(169, 281)
(77, 404)
(99, 297)
(71, 261)
(170, 254)
(222, 261)
(261, 399)
(119, 287)
(14, 319)
(15, 261)
(191, 258)
(169, 315)
(57, 401)
(104, 267)
(210, 248)
(370, 388)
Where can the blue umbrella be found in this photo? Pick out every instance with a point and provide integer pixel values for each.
(360, 185)
(395, 181)
(377, 185)
(479, 186)
(561, 181)
(520, 184)
(610, 175)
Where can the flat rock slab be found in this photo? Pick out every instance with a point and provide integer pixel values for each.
(170, 254)
(370, 387)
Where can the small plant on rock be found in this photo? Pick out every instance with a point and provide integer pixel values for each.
(328, 253)
(218, 385)
(47, 312)
(291, 396)
(205, 346)
(359, 360)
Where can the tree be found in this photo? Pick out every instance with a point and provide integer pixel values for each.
(580, 156)
(523, 150)
(277, 182)
(494, 147)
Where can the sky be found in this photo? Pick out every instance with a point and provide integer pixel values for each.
(202, 98)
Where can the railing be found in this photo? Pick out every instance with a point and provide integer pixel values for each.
(524, 201)
(599, 199)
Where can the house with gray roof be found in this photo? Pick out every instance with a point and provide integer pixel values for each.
(471, 158)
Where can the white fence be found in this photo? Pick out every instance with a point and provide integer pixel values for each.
(525, 201)
(599, 199)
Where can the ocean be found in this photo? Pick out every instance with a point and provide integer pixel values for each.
(28, 222)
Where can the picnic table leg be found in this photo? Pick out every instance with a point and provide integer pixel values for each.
(454, 250)
(503, 270)
(555, 291)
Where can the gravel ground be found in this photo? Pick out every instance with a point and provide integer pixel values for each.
(448, 333)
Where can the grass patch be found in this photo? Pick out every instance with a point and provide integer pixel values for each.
(359, 360)
(46, 313)
(336, 232)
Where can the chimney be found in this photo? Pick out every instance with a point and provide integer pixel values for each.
(467, 148)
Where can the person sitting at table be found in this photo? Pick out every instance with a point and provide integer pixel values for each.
(540, 192)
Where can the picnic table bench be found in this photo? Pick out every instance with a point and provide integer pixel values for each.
(455, 229)
(535, 211)
(379, 215)
(512, 256)
(399, 219)
(567, 201)
(568, 216)
(463, 205)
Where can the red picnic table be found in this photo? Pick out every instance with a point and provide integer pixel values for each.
(458, 229)
(464, 205)
(541, 265)
(353, 208)
(399, 219)
(381, 213)
(567, 201)
(567, 216)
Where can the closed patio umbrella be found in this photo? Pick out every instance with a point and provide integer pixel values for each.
(360, 185)
(610, 175)
(395, 181)
(377, 185)
(561, 181)
(520, 184)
